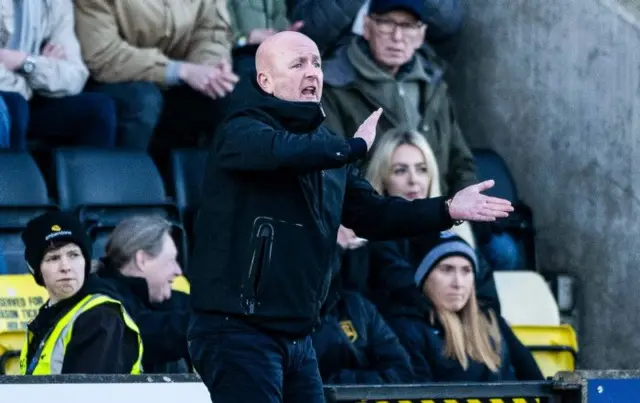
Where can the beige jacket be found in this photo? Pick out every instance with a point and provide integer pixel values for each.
(134, 40)
(52, 77)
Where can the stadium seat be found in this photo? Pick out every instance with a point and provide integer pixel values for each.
(104, 186)
(23, 195)
(553, 347)
(187, 168)
(526, 299)
(490, 165)
(21, 298)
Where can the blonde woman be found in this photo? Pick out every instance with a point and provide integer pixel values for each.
(457, 340)
(404, 165)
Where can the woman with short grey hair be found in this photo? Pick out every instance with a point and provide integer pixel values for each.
(141, 262)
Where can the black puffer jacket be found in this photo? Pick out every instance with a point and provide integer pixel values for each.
(425, 343)
(163, 326)
(277, 185)
(354, 345)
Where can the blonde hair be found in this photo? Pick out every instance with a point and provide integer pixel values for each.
(379, 168)
(472, 334)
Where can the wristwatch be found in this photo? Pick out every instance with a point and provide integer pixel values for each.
(242, 41)
(447, 204)
(28, 65)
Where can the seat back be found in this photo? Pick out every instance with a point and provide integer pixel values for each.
(188, 173)
(490, 165)
(12, 253)
(188, 168)
(104, 186)
(554, 347)
(526, 299)
(23, 191)
(107, 179)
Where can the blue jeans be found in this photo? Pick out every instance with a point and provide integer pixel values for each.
(85, 119)
(5, 125)
(239, 363)
(502, 252)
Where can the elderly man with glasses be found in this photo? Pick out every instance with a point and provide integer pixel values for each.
(383, 69)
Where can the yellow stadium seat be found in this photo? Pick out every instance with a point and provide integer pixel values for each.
(181, 284)
(10, 346)
(554, 347)
(20, 299)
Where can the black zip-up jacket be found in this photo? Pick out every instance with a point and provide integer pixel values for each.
(277, 185)
(163, 327)
(101, 342)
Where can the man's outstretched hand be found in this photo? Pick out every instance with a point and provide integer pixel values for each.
(471, 205)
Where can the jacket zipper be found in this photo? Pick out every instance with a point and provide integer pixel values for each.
(260, 260)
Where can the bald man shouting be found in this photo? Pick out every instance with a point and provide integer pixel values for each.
(277, 186)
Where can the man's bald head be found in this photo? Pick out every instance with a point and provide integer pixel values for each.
(288, 67)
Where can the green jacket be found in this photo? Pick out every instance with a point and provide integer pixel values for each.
(251, 14)
(417, 98)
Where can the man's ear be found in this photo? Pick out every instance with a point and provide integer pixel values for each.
(367, 30)
(265, 82)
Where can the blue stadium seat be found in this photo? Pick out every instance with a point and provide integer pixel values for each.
(490, 165)
(104, 186)
(23, 195)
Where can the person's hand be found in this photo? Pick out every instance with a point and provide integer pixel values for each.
(348, 240)
(471, 205)
(258, 35)
(209, 80)
(12, 59)
(226, 81)
(367, 130)
(54, 51)
(296, 26)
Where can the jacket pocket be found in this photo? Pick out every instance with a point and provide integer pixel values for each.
(261, 257)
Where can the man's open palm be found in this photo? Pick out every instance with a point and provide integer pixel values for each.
(367, 130)
(471, 205)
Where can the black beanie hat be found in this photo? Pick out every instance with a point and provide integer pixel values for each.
(52, 227)
(446, 245)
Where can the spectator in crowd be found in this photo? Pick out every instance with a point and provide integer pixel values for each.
(403, 165)
(333, 23)
(252, 22)
(261, 264)
(167, 66)
(82, 328)
(5, 125)
(457, 340)
(382, 69)
(42, 76)
(354, 345)
(141, 263)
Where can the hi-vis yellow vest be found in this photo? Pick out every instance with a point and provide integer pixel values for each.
(49, 356)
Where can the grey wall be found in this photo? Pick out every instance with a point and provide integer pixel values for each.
(554, 86)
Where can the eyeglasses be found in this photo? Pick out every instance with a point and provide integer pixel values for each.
(387, 26)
